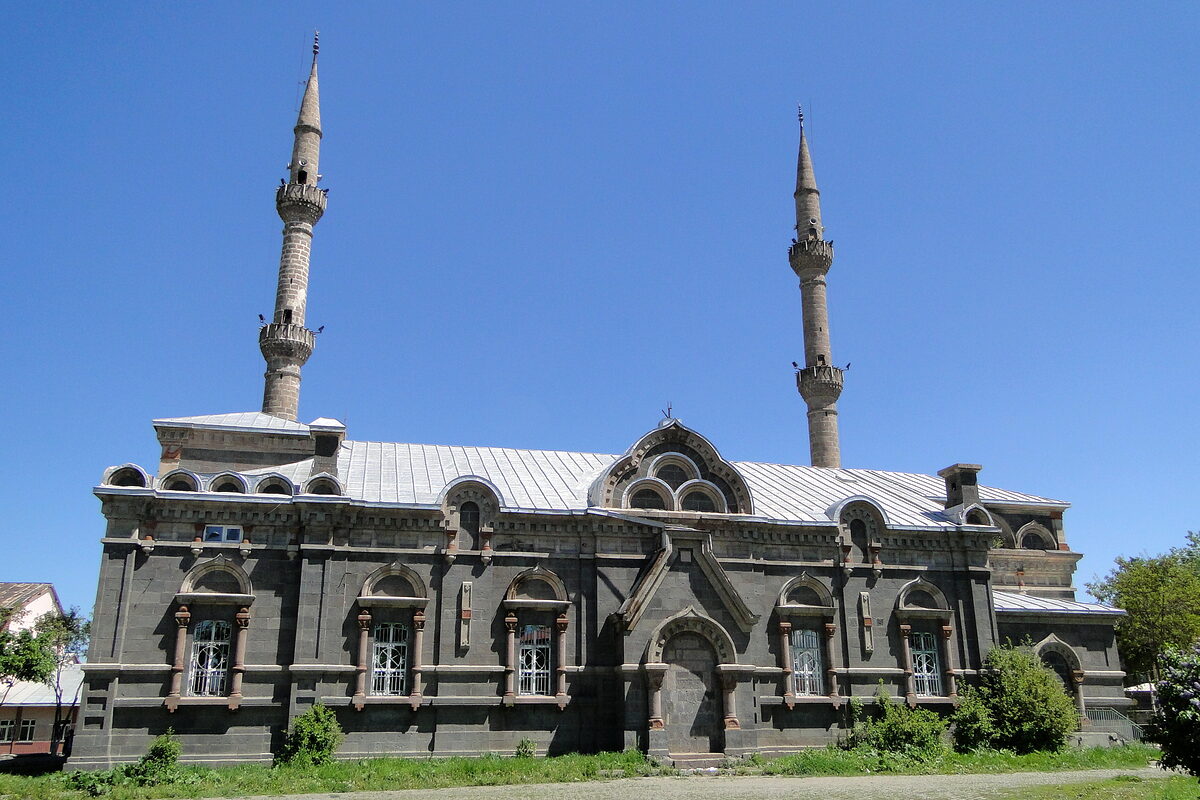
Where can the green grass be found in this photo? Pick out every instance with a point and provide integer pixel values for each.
(399, 773)
(1122, 788)
(832, 761)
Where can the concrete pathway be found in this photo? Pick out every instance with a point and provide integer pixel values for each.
(697, 787)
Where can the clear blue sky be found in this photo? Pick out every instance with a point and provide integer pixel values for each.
(547, 221)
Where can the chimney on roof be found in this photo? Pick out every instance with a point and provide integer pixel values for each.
(962, 484)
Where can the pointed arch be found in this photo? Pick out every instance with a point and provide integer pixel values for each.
(786, 601)
(1053, 644)
(975, 514)
(689, 620)
(671, 442)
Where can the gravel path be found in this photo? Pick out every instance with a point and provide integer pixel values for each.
(874, 787)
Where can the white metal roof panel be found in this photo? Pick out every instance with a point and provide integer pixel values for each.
(36, 693)
(1012, 602)
(248, 421)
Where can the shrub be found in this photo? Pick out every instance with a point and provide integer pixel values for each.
(897, 728)
(1175, 726)
(1020, 705)
(159, 766)
(313, 738)
(526, 748)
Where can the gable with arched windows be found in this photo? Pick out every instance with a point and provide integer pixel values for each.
(672, 468)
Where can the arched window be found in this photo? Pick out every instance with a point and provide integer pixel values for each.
(1033, 541)
(468, 518)
(699, 501)
(210, 658)
(673, 474)
(127, 477)
(228, 485)
(180, 485)
(858, 529)
(647, 498)
(322, 486)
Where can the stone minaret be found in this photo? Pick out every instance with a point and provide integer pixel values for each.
(285, 343)
(819, 382)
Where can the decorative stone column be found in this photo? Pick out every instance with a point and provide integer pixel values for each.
(560, 650)
(910, 689)
(657, 724)
(242, 618)
(510, 658)
(364, 653)
(182, 618)
(414, 695)
(948, 660)
(830, 671)
(785, 659)
(1077, 679)
(729, 682)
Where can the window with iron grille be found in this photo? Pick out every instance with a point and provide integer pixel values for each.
(806, 661)
(926, 672)
(28, 728)
(534, 660)
(210, 658)
(389, 663)
(8, 728)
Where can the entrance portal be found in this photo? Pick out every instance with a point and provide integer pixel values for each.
(691, 699)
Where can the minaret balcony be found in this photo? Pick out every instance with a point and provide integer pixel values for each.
(300, 202)
(820, 385)
(808, 256)
(283, 340)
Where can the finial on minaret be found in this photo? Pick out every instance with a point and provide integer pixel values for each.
(316, 43)
(800, 114)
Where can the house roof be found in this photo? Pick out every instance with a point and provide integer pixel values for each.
(1011, 602)
(244, 421)
(15, 595)
(35, 693)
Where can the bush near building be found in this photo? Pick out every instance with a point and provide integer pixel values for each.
(1175, 726)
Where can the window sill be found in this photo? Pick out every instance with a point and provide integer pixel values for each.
(802, 700)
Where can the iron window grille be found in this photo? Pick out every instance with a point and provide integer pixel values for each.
(806, 662)
(926, 671)
(389, 661)
(534, 660)
(210, 658)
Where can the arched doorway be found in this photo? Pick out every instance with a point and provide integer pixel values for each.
(691, 695)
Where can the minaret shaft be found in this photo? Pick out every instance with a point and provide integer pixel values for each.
(819, 382)
(285, 342)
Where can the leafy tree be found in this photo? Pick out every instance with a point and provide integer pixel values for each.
(1175, 725)
(1020, 705)
(24, 656)
(1161, 598)
(313, 738)
(67, 635)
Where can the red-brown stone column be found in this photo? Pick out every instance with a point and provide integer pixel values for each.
(948, 660)
(785, 661)
(182, 618)
(364, 654)
(414, 695)
(910, 689)
(830, 672)
(561, 658)
(242, 618)
(510, 657)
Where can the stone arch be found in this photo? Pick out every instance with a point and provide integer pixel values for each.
(706, 487)
(1053, 644)
(1035, 529)
(672, 438)
(805, 581)
(861, 522)
(526, 584)
(180, 480)
(690, 468)
(200, 578)
(976, 514)
(906, 601)
(324, 483)
(470, 489)
(274, 483)
(657, 485)
(691, 621)
(130, 475)
(377, 583)
(227, 482)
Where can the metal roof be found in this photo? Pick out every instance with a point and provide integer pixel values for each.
(15, 595)
(35, 693)
(246, 421)
(554, 480)
(1009, 601)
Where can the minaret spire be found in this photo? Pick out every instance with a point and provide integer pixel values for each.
(285, 342)
(819, 382)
